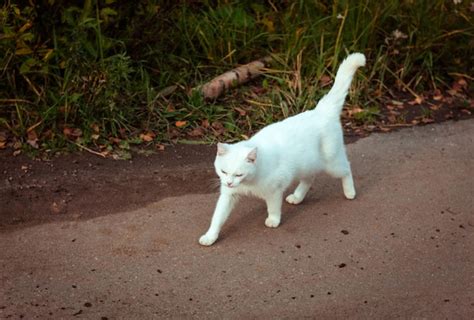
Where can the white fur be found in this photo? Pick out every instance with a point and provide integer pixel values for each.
(292, 150)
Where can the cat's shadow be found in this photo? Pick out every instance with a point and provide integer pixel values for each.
(250, 213)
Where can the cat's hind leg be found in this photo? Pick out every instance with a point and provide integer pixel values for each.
(340, 167)
(274, 203)
(300, 192)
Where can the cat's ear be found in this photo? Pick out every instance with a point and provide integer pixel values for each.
(252, 155)
(221, 149)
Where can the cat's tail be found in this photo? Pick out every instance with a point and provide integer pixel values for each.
(331, 104)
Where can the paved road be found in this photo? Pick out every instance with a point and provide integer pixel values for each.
(403, 249)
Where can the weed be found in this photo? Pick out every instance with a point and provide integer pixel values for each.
(115, 69)
(368, 115)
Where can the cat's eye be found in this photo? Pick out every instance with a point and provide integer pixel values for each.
(239, 175)
(224, 172)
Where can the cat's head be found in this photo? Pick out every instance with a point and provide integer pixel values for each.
(235, 164)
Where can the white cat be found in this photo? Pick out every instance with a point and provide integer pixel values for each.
(292, 150)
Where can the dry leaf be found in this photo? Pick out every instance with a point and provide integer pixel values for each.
(170, 108)
(205, 124)
(354, 110)
(417, 100)
(218, 128)
(392, 118)
(324, 80)
(160, 147)
(95, 128)
(148, 136)
(73, 133)
(196, 132)
(3, 144)
(462, 82)
(180, 124)
(241, 111)
(115, 140)
(32, 139)
(437, 95)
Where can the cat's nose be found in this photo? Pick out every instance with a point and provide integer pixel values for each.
(229, 183)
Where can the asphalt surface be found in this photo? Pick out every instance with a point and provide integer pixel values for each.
(404, 249)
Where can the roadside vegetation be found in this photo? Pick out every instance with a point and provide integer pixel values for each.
(104, 76)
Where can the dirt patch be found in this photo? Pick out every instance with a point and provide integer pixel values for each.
(82, 186)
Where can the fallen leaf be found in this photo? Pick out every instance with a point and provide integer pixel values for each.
(392, 118)
(73, 133)
(16, 152)
(324, 80)
(115, 140)
(354, 110)
(160, 147)
(218, 128)
(3, 144)
(148, 136)
(32, 139)
(417, 100)
(196, 132)
(205, 124)
(462, 82)
(452, 92)
(241, 111)
(180, 124)
(95, 128)
(437, 95)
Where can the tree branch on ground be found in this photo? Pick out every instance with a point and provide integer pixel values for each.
(217, 86)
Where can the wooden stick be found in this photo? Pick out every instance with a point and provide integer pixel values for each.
(214, 88)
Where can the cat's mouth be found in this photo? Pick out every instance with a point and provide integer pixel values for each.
(230, 186)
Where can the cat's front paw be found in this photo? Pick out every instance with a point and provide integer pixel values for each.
(207, 240)
(350, 194)
(272, 222)
(292, 199)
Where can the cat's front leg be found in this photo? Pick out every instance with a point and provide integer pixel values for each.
(274, 203)
(221, 213)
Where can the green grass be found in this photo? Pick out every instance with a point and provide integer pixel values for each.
(115, 69)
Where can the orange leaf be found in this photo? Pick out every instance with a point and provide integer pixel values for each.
(147, 137)
(417, 100)
(180, 124)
